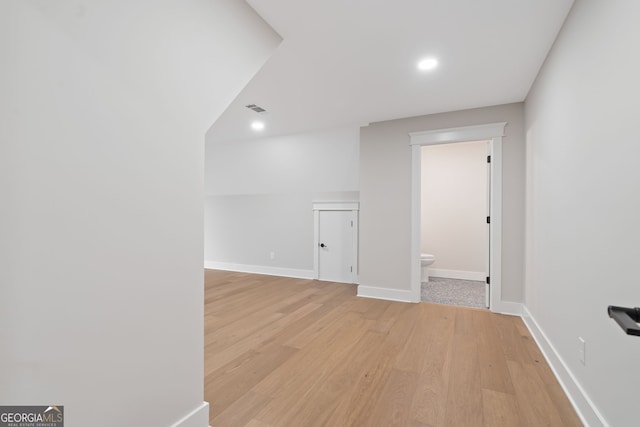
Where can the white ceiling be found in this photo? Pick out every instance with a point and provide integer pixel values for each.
(345, 62)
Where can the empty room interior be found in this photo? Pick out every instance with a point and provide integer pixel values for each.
(393, 202)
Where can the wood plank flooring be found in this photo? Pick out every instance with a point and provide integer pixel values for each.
(291, 352)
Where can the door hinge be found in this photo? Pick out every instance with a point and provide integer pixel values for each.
(351, 269)
(488, 280)
(488, 220)
(488, 159)
(352, 223)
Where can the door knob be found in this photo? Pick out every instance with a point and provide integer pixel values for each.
(322, 245)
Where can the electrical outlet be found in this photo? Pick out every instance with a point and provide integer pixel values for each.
(272, 255)
(581, 351)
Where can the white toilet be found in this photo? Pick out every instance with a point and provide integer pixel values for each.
(425, 261)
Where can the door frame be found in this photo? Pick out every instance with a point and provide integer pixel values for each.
(352, 206)
(492, 132)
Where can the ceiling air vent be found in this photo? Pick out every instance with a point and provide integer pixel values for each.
(255, 108)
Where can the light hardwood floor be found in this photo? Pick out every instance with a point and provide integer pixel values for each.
(290, 352)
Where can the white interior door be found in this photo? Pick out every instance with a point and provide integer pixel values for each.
(335, 246)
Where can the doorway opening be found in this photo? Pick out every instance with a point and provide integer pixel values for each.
(493, 133)
(455, 223)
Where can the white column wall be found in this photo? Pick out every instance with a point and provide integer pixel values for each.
(103, 111)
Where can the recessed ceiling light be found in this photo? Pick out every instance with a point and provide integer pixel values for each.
(427, 64)
(257, 126)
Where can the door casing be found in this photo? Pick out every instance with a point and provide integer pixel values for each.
(493, 132)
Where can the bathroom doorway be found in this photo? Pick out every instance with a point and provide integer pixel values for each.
(494, 133)
(454, 223)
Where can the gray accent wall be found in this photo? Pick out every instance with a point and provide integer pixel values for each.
(385, 195)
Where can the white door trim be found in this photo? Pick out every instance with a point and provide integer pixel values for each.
(354, 207)
(493, 132)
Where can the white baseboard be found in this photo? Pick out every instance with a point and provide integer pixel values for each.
(384, 293)
(260, 269)
(199, 417)
(587, 411)
(457, 274)
(508, 307)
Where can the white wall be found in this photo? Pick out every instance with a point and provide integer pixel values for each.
(454, 208)
(102, 121)
(260, 193)
(385, 196)
(583, 209)
(324, 160)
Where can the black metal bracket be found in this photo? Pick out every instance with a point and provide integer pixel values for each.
(627, 318)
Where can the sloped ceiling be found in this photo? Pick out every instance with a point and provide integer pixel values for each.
(354, 62)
